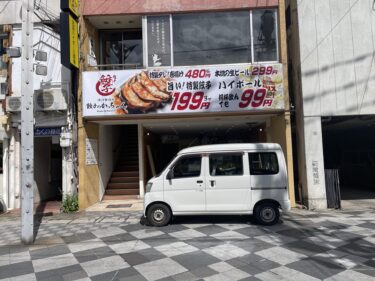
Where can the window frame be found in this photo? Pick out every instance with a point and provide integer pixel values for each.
(264, 173)
(226, 153)
(171, 169)
(275, 11)
(122, 31)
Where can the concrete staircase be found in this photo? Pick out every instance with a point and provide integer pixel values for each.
(124, 181)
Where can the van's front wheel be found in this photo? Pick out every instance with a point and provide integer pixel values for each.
(159, 215)
(267, 213)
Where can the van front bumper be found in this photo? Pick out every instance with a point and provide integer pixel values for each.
(151, 197)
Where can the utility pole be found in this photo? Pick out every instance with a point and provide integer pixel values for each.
(27, 124)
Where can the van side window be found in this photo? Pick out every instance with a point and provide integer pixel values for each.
(187, 167)
(226, 164)
(263, 163)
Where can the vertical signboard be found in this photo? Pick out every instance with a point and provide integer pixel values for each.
(69, 6)
(69, 33)
(73, 41)
(91, 152)
(158, 36)
(69, 40)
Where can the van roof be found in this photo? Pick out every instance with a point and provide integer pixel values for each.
(231, 147)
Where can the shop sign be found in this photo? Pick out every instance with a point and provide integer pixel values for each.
(47, 132)
(69, 40)
(70, 6)
(183, 90)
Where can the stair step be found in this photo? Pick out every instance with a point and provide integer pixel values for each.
(129, 154)
(126, 174)
(130, 157)
(124, 180)
(130, 162)
(134, 191)
(120, 197)
(128, 185)
(127, 168)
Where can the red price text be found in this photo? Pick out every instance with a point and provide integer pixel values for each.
(188, 100)
(249, 98)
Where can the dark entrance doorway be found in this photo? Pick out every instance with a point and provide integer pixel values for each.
(349, 147)
(48, 169)
(164, 141)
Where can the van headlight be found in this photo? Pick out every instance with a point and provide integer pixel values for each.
(148, 187)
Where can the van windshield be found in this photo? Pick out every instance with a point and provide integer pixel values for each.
(158, 174)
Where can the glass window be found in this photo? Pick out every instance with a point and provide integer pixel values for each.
(159, 41)
(263, 163)
(211, 38)
(122, 47)
(226, 164)
(132, 48)
(264, 33)
(112, 48)
(187, 167)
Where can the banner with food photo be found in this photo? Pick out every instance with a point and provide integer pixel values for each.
(183, 90)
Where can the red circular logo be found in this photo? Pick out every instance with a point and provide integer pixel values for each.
(104, 86)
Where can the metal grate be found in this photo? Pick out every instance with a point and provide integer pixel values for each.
(115, 206)
(333, 188)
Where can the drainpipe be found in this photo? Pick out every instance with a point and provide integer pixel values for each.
(5, 195)
(11, 163)
(140, 161)
(64, 172)
(17, 171)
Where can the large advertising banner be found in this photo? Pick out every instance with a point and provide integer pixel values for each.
(183, 90)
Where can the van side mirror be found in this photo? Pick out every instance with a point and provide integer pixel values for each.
(169, 175)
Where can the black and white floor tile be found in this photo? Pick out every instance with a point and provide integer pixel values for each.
(332, 246)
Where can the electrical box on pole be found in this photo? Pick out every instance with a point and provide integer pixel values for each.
(27, 125)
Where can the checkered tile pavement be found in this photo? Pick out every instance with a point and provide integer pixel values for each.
(94, 246)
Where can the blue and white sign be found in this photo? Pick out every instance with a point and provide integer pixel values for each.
(47, 132)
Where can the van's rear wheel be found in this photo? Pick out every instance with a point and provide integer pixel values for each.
(159, 215)
(267, 213)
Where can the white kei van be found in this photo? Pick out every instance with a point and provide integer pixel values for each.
(222, 179)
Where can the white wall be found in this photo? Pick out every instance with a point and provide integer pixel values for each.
(45, 39)
(10, 11)
(337, 43)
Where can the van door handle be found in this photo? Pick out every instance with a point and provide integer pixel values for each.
(199, 181)
(212, 183)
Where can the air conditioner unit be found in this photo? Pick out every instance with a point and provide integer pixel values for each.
(50, 99)
(13, 104)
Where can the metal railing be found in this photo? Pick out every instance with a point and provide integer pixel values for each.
(115, 66)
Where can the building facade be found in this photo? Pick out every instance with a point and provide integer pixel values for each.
(332, 70)
(159, 76)
(54, 161)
